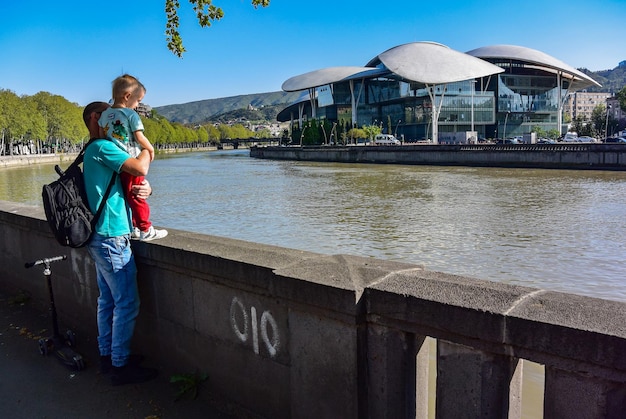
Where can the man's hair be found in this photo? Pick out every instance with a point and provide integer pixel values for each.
(93, 107)
(126, 84)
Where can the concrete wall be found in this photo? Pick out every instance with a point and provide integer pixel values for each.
(549, 156)
(291, 334)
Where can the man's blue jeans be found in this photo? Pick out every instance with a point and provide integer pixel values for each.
(118, 303)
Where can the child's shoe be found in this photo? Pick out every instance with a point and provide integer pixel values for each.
(152, 234)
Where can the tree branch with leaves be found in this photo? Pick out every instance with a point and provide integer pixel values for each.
(206, 13)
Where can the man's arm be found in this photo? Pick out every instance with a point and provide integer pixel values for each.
(137, 166)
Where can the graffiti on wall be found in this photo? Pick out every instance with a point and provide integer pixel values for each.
(249, 328)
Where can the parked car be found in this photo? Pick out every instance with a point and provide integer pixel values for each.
(586, 139)
(386, 139)
(619, 140)
(570, 137)
(507, 141)
(545, 141)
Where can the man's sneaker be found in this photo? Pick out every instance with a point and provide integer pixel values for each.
(136, 234)
(152, 234)
(130, 374)
(106, 365)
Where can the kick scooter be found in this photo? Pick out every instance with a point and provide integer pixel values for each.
(60, 345)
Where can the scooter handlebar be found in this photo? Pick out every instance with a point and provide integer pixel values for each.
(46, 261)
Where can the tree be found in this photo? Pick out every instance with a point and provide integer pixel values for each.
(13, 121)
(621, 96)
(356, 133)
(371, 131)
(206, 13)
(63, 119)
(598, 118)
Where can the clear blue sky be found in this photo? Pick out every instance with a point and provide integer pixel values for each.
(76, 48)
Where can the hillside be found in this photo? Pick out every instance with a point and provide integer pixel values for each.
(267, 105)
(611, 80)
(213, 109)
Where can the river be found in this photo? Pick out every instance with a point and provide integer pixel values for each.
(553, 229)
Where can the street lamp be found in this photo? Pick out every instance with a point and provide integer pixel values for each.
(302, 135)
(395, 133)
(505, 119)
(606, 124)
(472, 84)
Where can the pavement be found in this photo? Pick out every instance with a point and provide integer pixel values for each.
(37, 386)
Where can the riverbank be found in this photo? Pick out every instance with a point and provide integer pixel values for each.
(56, 158)
(28, 159)
(543, 156)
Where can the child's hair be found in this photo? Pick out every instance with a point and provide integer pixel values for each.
(126, 84)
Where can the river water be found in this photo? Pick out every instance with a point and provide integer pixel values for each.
(553, 229)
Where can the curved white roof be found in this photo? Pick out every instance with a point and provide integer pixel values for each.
(329, 75)
(433, 63)
(538, 58)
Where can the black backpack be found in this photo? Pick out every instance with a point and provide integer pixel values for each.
(66, 206)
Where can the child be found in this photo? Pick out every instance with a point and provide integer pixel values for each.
(121, 123)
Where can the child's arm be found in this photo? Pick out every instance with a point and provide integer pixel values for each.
(144, 143)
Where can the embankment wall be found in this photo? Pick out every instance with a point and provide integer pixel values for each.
(284, 333)
(546, 156)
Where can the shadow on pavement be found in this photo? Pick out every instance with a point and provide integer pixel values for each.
(37, 386)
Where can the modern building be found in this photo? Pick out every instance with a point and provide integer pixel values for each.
(490, 92)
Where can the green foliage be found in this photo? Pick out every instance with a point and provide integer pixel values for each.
(541, 133)
(13, 115)
(188, 384)
(52, 121)
(372, 131)
(356, 133)
(206, 13)
(42, 118)
(266, 114)
(621, 96)
(611, 80)
(310, 133)
(63, 119)
(598, 120)
(553, 133)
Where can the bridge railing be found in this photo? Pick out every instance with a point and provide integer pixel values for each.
(284, 333)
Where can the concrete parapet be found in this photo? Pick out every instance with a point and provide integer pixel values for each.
(285, 333)
(547, 156)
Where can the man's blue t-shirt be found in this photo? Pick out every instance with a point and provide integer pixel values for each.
(102, 158)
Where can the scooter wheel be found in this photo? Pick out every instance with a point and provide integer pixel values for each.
(70, 338)
(43, 346)
(79, 364)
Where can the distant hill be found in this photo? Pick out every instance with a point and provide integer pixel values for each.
(612, 81)
(214, 109)
(265, 106)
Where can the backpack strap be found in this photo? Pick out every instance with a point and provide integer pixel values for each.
(96, 216)
(79, 159)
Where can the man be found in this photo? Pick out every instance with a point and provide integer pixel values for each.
(118, 302)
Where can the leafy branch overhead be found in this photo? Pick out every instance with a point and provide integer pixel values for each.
(206, 13)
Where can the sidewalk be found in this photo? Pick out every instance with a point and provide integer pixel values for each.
(36, 386)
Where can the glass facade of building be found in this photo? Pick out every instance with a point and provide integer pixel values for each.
(523, 101)
(526, 97)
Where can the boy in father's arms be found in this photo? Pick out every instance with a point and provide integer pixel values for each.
(121, 123)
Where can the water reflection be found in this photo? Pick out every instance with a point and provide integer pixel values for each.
(560, 230)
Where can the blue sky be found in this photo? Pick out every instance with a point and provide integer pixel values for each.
(76, 48)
